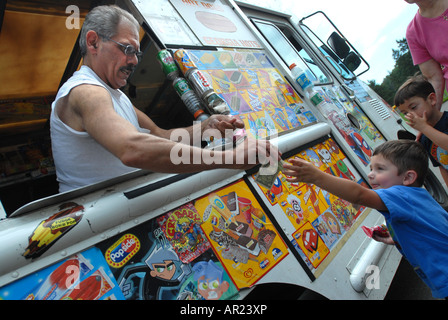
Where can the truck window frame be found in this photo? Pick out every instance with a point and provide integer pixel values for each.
(302, 58)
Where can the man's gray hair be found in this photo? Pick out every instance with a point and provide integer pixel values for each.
(104, 20)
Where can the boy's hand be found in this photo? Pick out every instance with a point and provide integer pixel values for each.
(303, 171)
(386, 240)
(416, 122)
(299, 170)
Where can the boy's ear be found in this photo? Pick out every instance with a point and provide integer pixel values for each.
(409, 178)
(432, 98)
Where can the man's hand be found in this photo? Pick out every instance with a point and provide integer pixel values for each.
(252, 152)
(222, 123)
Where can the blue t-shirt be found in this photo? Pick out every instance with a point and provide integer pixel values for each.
(420, 226)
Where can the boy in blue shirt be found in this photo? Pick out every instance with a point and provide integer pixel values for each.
(416, 222)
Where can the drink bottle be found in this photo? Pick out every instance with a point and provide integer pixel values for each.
(184, 62)
(168, 65)
(312, 94)
(189, 98)
(300, 77)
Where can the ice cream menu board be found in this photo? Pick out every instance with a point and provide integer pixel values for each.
(254, 90)
(362, 136)
(320, 219)
(258, 93)
(215, 23)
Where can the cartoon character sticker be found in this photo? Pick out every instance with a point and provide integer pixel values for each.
(156, 271)
(328, 228)
(182, 229)
(210, 281)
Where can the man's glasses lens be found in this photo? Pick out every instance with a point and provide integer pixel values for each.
(128, 50)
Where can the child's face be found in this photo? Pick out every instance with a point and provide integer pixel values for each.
(419, 106)
(383, 173)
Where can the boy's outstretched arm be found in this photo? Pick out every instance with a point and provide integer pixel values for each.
(300, 170)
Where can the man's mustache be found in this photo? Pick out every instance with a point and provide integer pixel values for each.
(130, 68)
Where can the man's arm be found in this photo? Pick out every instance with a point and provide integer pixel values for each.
(93, 112)
(218, 122)
(303, 171)
(145, 122)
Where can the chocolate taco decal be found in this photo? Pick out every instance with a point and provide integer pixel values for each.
(52, 229)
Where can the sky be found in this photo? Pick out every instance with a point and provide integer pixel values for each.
(372, 27)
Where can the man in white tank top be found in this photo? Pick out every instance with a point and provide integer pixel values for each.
(97, 133)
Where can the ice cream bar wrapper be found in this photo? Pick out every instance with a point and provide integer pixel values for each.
(380, 231)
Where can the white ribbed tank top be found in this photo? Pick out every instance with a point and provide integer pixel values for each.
(79, 159)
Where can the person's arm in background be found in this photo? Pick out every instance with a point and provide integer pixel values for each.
(432, 71)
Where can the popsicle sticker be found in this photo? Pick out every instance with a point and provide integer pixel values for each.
(63, 278)
(220, 206)
(91, 288)
(53, 228)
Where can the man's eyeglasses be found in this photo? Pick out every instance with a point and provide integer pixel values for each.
(128, 50)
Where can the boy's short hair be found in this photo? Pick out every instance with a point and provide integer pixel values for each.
(406, 155)
(416, 86)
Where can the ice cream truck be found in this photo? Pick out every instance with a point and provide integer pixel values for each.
(216, 235)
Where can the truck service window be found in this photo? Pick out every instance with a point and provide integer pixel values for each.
(290, 51)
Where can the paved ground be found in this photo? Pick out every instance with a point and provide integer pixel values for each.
(407, 285)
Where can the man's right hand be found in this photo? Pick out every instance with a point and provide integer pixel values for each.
(251, 152)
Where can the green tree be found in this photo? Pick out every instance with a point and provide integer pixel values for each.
(403, 69)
